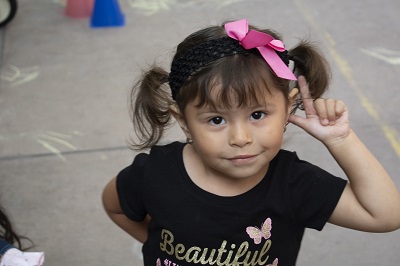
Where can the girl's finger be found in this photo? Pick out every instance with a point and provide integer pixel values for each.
(340, 108)
(331, 111)
(322, 111)
(306, 96)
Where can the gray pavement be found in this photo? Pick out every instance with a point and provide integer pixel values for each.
(64, 122)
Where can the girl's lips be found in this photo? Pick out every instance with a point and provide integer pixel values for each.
(242, 158)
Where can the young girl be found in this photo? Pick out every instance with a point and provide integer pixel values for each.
(230, 195)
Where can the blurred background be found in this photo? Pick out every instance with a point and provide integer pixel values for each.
(64, 121)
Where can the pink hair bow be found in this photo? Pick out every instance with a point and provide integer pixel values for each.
(265, 43)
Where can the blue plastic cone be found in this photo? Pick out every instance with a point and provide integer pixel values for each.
(106, 13)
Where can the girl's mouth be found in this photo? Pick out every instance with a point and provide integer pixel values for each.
(242, 159)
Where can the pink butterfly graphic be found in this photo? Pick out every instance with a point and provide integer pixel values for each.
(258, 234)
(275, 263)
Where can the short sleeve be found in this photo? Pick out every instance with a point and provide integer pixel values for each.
(315, 194)
(129, 189)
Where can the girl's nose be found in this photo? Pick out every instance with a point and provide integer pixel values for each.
(240, 135)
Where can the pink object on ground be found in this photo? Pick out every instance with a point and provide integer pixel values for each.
(79, 8)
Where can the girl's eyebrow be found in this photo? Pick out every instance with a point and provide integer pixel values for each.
(208, 109)
(211, 109)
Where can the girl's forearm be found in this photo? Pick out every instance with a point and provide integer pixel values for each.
(111, 204)
(369, 181)
(137, 230)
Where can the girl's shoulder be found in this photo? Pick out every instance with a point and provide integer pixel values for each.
(290, 163)
(287, 157)
(160, 152)
(160, 155)
(172, 147)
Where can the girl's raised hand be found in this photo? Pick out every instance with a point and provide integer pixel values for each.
(326, 119)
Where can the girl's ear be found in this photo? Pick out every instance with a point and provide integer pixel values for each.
(176, 113)
(292, 97)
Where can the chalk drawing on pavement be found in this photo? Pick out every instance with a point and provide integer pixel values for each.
(152, 7)
(16, 76)
(52, 141)
(389, 56)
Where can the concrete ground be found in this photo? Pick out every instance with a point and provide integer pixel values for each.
(64, 123)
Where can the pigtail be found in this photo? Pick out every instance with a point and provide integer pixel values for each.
(309, 62)
(150, 108)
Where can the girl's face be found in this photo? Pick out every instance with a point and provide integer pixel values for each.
(236, 144)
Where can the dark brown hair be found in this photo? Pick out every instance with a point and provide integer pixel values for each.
(238, 75)
(8, 233)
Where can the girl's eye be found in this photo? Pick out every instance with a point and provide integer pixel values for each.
(217, 120)
(257, 115)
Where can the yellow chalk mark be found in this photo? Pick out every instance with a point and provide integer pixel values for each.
(329, 38)
(51, 148)
(225, 3)
(346, 71)
(393, 137)
(368, 105)
(50, 139)
(60, 2)
(16, 76)
(59, 141)
(9, 73)
(152, 7)
(391, 134)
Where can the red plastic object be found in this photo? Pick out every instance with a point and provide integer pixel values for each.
(79, 8)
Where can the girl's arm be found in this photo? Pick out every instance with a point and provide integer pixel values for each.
(370, 201)
(111, 205)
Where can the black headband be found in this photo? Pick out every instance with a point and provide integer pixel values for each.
(204, 53)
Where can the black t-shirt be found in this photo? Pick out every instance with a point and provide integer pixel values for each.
(190, 226)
